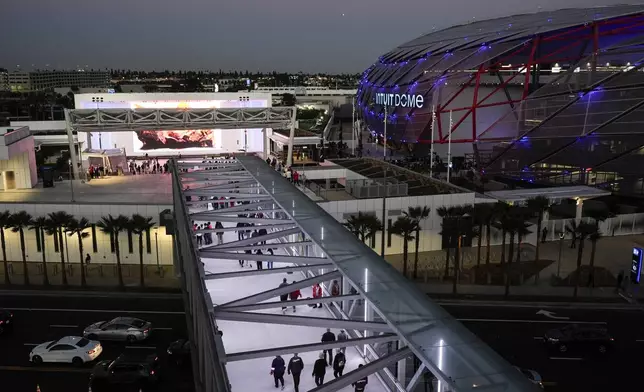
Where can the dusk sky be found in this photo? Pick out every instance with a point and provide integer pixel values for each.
(283, 35)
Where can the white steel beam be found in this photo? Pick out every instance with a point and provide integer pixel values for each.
(250, 241)
(226, 229)
(236, 219)
(303, 348)
(209, 254)
(252, 272)
(263, 296)
(279, 304)
(282, 319)
(364, 371)
(239, 208)
(414, 380)
(272, 245)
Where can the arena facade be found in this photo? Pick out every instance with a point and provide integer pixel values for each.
(551, 97)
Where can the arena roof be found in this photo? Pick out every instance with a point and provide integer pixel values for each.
(505, 28)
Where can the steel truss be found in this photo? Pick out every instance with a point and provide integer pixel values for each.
(355, 309)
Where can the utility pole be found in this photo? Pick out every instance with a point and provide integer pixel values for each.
(431, 149)
(449, 146)
(384, 196)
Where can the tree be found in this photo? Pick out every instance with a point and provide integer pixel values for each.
(357, 224)
(453, 228)
(418, 214)
(40, 226)
(140, 225)
(482, 214)
(405, 227)
(581, 231)
(288, 99)
(538, 205)
(501, 210)
(58, 221)
(373, 225)
(599, 215)
(113, 226)
(77, 227)
(5, 220)
(18, 223)
(594, 236)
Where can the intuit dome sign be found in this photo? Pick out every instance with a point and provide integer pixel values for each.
(400, 100)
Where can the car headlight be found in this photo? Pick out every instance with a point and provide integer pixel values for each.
(169, 352)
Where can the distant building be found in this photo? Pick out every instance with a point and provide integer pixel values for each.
(4, 81)
(49, 80)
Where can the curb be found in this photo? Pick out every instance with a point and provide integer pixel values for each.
(539, 304)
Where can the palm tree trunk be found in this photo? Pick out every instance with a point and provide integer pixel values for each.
(446, 265)
(24, 256)
(117, 249)
(536, 251)
(142, 279)
(457, 254)
(82, 264)
(503, 247)
(487, 244)
(416, 254)
(507, 269)
(7, 281)
(478, 245)
(593, 248)
(45, 274)
(580, 253)
(405, 255)
(62, 256)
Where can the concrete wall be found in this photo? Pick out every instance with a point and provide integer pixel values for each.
(18, 157)
(430, 238)
(158, 238)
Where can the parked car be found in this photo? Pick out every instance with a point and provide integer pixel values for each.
(579, 339)
(126, 370)
(6, 320)
(532, 376)
(121, 328)
(179, 352)
(70, 349)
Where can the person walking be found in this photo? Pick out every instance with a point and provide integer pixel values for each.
(295, 366)
(343, 337)
(328, 337)
(295, 294)
(317, 293)
(284, 297)
(338, 363)
(335, 288)
(319, 370)
(220, 234)
(277, 370)
(88, 259)
(361, 384)
(260, 264)
(269, 263)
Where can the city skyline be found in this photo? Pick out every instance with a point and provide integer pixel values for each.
(285, 35)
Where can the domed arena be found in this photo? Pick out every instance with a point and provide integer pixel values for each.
(544, 98)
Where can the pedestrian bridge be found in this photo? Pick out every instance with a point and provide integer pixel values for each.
(401, 336)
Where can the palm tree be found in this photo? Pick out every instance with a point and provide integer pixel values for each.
(5, 219)
(538, 205)
(18, 223)
(113, 226)
(39, 225)
(499, 212)
(582, 231)
(453, 228)
(447, 214)
(594, 236)
(373, 225)
(482, 214)
(417, 214)
(357, 225)
(77, 227)
(140, 225)
(599, 215)
(58, 221)
(405, 227)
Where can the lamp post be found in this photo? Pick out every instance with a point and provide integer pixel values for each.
(562, 235)
(71, 179)
(384, 196)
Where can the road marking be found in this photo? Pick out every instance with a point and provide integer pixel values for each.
(162, 329)
(537, 338)
(639, 340)
(551, 315)
(63, 326)
(567, 358)
(31, 344)
(95, 311)
(44, 369)
(141, 347)
(534, 321)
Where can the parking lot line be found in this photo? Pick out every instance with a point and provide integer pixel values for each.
(532, 321)
(44, 369)
(94, 311)
(63, 326)
(162, 329)
(31, 344)
(141, 347)
(537, 337)
(567, 358)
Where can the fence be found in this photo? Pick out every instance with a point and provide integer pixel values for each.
(374, 189)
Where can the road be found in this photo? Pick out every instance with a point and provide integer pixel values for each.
(42, 318)
(516, 331)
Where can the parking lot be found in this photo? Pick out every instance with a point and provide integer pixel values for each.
(41, 318)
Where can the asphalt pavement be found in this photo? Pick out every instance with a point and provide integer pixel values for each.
(516, 330)
(44, 317)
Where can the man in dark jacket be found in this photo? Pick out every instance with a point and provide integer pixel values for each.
(295, 366)
(361, 384)
(277, 370)
(319, 370)
(328, 336)
(338, 363)
(284, 297)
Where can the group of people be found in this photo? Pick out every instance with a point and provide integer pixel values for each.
(205, 238)
(96, 171)
(148, 166)
(292, 175)
(296, 365)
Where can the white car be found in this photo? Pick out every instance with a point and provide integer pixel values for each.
(70, 349)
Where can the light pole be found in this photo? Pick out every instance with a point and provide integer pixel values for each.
(562, 235)
(384, 196)
(71, 180)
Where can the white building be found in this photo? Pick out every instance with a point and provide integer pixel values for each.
(17, 159)
(49, 80)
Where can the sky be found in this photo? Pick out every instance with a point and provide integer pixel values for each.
(330, 36)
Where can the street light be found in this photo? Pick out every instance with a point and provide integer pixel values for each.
(562, 235)
(71, 179)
